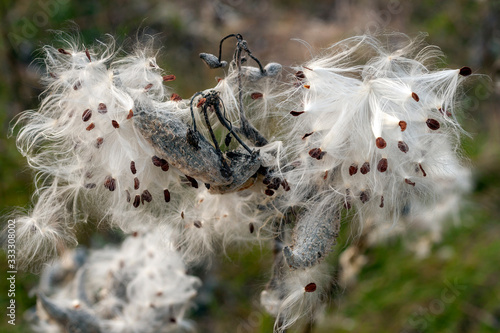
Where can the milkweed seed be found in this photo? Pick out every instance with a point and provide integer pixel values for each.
(365, 168)
(415, 97)
(296, 113)
(409, 182)
(99, 142)
(63, 51)
(90, 127)
(146, 196)
(433, 124)
(256, 95)
(353, 169)
(402, 124)
(403, 146)
(175, 97)
(381, 202)
(86, 115)
(90, 185)
(201, 102)
(382, 165)
(285, 185)
(110, 183)
(168, 78)
(465, 71)
(347, 205)
(269, 192)
(136, 183)
(149, 86)
(135, 234)
(166, 195)
(251, 227)
(227, 139)
(274, 184)
(326, 175)
(115, 124)
(197, 224)
(164, 165)
(300, 75)
(307, 86)
(317, 153)
(130, 114)
(380, 142)
(137, 201)
(364, 196)
(266, 180)
(132, 167)
(306, 135)
(182, 215)
(87, 54)
(127, 193)
(422, 169)
(156, 161)
(311, 287)
(193, 181)
(102, 108)
(77, 85)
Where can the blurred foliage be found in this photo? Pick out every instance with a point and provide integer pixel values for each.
(395, 292)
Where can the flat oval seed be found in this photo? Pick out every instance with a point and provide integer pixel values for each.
(365, 168)
(136, 183)
(166, 195)
(296, 113)
(311, 287)
(409, 182)
(402, 125)
(156, 161)
(382, 165)
(99, 142)
(146, 196)
(251, 227)
(415, 97)
(86, 115)
(130, 114)
(197, 224)
(403, 146)
(90, 127)
(115, 124)
(256, 95)
(132, 167)
(102, 108)
(433, 124)
(137, 201)
(364, 196)
(353, 169)
(380, 142)
(465, 71)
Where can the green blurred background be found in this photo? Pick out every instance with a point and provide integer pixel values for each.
(396, 290)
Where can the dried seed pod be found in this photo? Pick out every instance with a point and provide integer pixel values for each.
(137, 201)
(86, 115)
(102, 108)
(364, 196)
(296, 113)
(311, 287)
(415, 97)
(115, 124)
(465, 71)
(146, 196)
(90, 127)
(99, 142)
(380, 142)
(433, 124)
(136, 183)
(409, 182)
(168, 78)
(166, 195)
(132, 167)
(403, 146)
(353, 169)
(402, 124)
(307, 135)
(422, 169)
(365, 168)
(256, 95)
(130, 114)
(382, 165)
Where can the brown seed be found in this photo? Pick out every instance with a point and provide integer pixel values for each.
(115, 124)
(415, 97)
(197, 224)
(164, 165)
(87, 54)
(137, 201)
(77, 85)
(285, 185)
(146, 196)
(63, 51)
(136, 183)
(382, 165)
(444, 113)
(90, 185)
(403, 146)
(402, 125)
(251, 227)
(168, 78)
(269, 192)
(409, 182)
(381, 202)
(156, 161)
(130, 114)
(422, 169)
(347, 205)
(326, 175)
(433, 124)
(182, 215)
(175, 97)
(465, 71)
(380, 142)
(364, 196)
(317, 153)
(307, 86)
(102, 108)
(300, 75)
(99, 142)
(135, 234)
(132, 167)
(365, 168)
(256, 95)
(311, 287)
(166, 195)
(306, 135)
(110, 183)
(86, 115)
(149, 86)
(90, 127)
(127, 193)
(296, 113)
(201, 102)
(193, 181)
(353, 169)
